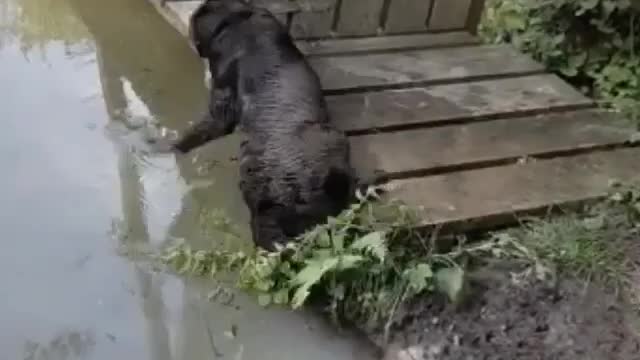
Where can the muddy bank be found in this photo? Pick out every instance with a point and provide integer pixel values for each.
(507, 318)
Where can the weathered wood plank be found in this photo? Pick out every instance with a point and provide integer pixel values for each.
(407, 15)
(494, 196)
(449, 14)
(275, 6)
(386, 43)
(359, 17)
(316, 24)
(427, 151)
(179, 12)
(453, 103)
(344, 73)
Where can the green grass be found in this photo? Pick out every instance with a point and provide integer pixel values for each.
(598, 245)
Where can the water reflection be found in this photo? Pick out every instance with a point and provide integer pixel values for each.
(157, 79)
(67, 345)
(76, 115)
(36, 23)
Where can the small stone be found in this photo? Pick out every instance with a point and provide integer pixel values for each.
(456, 340)
(232, 333)
(111, 337)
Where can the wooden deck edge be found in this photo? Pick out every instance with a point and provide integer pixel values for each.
(501, 220)
(545, 187)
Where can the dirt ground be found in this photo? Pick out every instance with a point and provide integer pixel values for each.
(523, 319)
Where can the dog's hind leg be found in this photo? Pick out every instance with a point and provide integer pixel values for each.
(266, 230)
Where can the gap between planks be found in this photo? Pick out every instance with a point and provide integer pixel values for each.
(369, 72)
(447, 149)
(394, 110)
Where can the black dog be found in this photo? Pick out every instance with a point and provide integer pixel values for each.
(295, 165)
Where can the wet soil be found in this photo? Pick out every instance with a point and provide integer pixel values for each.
(506, 318)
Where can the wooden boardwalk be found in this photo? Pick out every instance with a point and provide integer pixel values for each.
(476, 134)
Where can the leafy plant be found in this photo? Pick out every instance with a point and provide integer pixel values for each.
(591, 43)
(362, 264)
(371, 259)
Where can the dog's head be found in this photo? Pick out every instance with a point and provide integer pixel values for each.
(212, 18)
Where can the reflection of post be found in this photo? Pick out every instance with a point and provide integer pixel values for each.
(135, 224)
(166, 76)
(197, 337)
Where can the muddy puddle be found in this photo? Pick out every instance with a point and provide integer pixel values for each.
(81, 205)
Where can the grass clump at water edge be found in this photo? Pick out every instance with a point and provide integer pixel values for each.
(363, 264)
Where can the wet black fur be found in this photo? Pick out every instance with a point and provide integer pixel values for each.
(295, 165)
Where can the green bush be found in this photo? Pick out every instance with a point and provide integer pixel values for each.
(593, 44)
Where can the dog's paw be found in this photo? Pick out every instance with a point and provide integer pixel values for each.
(161, 146)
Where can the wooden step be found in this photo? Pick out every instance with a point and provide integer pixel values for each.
(452, 103)
(342, 74)
(480, 199)
(451, 148)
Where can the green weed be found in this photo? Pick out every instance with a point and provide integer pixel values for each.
(363, 264)
(598, 245)
(367, 262)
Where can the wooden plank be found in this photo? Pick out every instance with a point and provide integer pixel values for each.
(359, 17)
(275, 6)
(282, 6)
(386, 43)
(494, 196)
(453, 103)
(434, 150)
(449, 14)
(407, 15)
(346, 73)
(179, 12)
(316, 24)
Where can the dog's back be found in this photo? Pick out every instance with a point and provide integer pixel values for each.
(295, 166)
(303, 159)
